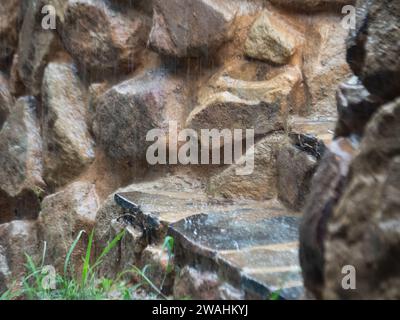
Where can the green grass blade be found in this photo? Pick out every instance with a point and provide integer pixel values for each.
(33, 270)
(168, 244)
(71, 249)
(108, 248)
(86, 264)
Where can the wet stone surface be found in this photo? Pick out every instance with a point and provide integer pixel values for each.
(250, 245)
(236, 230)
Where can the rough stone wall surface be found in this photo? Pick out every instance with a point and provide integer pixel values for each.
(77, 102)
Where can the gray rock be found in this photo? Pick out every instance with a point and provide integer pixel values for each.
(190, 28)
(271, 39)
(17, 238)
(129, 110)
(67, 145)
(261, 182)
(101, 38)
(63, 216)
(21, 184)
(325, 66)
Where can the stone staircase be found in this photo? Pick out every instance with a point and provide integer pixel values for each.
(247, 246)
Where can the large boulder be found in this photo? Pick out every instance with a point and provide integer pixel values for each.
(101, 38)
(240, 104)
(63, 216)
(36, 45)
(327, 187)
(271, 39)
(260, 182)
(9, 27)
(128, 111)
(193, 28)
(324, 62)
(21, 184)
(67, 145)
(363, 231)
(373, 47)
(17, 238)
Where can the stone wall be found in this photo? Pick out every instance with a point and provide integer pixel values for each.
(77, 101)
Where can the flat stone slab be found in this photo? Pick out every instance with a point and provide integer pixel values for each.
(251, 245)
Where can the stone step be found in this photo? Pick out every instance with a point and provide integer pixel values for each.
(248, 245)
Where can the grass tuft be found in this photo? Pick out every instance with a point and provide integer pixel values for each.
(68, 286)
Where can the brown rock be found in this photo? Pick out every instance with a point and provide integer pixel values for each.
(239, 104)
(101, 38)
(127, 112)
(63, 216)
(67, 144)
(373, 47)
(325, 64)
(190, 28)
(364, 229)
(271, 39)
(261, 183)
(21, 184)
